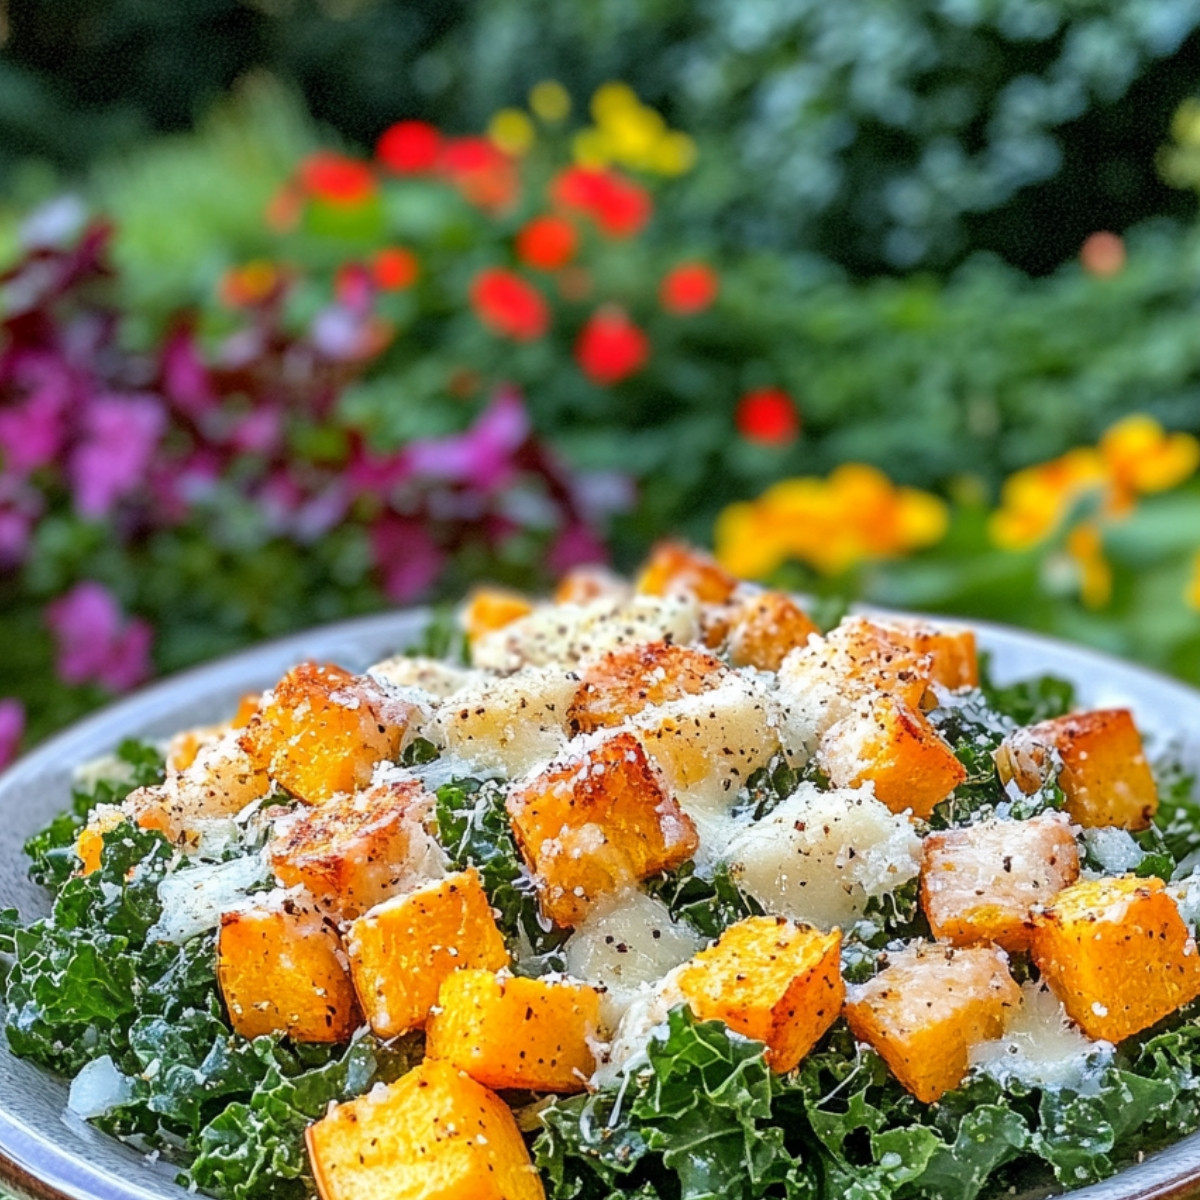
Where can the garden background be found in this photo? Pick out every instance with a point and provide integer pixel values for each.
(314, 306)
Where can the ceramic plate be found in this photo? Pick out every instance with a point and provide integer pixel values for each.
(45, 1155)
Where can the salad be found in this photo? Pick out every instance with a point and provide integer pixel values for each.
(653, 889)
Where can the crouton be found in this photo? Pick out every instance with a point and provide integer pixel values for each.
(674, 568)
(765, 628)
(490, 608)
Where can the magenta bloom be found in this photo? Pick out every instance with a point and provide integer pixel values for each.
(97, 643)
(114, 455)
(482, 457)
(12, 725)
(409, 560)
(32, 431)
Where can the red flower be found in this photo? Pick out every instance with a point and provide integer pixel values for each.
(611, 347)
(509, 305)
(337, 179)
(547, 243)
(688, 288)
(394, 268)
(484, 174)
(767, 415)
(409, 147)
(619, 206)
(1103, 254)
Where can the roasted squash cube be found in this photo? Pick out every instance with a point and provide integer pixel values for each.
(590, 825)
(490, 608)
(928, 1007)
(282, 970)
(893, 746)
(771, 979)
(183, 747)
(402, 950)
(674, 568)
(630, 678)
(1103, 773)
(764, 629)
(871, 659)
(951, 650)
(980, 883)
(509, 1032)
(322, 730)
(1118, 955)
(353, 851)
(434, 1134)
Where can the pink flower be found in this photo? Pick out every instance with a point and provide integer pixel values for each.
(114, 455)
(12, 726)
(482, 456)
(575, 545)
(185, 378)
(97, 643)
(32, 432)
(20, 507)
(408, 559)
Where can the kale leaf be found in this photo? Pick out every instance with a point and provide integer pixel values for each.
(709, 906)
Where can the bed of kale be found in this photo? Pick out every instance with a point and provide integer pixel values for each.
(703, 1117)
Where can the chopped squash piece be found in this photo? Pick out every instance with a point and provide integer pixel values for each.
(591, 824)
(979, 883)
(1103, 772)
(770, 979)
(886, 742)
(104, 818)
(868, 654)
(321, 731)
(674, 568)
(491, 608)
(924, 1011)
(402, 950)
(281, 970)
(509, 1032)
(630, 678)
(582, 585)
(183, 747)
(353, 851)
(764, 629)
(1118, 955)
(434, 1134)
(953, 656)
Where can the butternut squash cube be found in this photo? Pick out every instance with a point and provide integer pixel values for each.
(674, 568)
(322, 730)
(630, 678)
(352, 852)
(282, 970)
(952, 651)
(509, 1032)
(491, 608)
(1118, 955)
(402, 950)
(1103, 772)
(764, 629)
(434, 1134)
(183, 747)
(924, 1011)
(980, 883)
(589, 825)
(872, 659)
(893, 746)
(770, 979)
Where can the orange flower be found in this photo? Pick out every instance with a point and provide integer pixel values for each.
(1141, 457)
(509, 305)
(767, 415)
(547, 243)
(1191, 593)
(1103, 254)
(689, 288)
(336, 179)
(618, 206)
(1085, 545)
(484, 174)
(409, 148)
(394, 268)
(250, 284)
(611, 347)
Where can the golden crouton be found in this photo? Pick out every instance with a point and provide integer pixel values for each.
(490, 608)
(281, 970)
(1118, 955)
(630, 678)
(765, 628)
(893, 746)
(434, 1134)
(771, 979)
(509, 1032)
(322, 731)
(928, 1007)
(979, 883)
(674, 568)
(1104, 773)
(590, 825)
(351, 851)
(401, 951)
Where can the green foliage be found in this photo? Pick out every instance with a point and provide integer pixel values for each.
(708, 905)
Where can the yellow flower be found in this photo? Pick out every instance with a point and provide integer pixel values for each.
(675, 154)
(550, 101)
(1086, 546)
(1035, 501)
(1191, 593)
(590, 148)
(745, 543)
(512, 131)
(612, 99)
(1142, 458)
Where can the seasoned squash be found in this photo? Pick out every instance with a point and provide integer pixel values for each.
(401, 951)
(589, 825)
(894, 747)
(282, 970)
(104, 818)
(979, 883)
(924, 1011)
(1102, 768)
(357, 849)
(434, 1134)
(490, 608)
(765, 628)
(1117, 953)
(772, 980)
(951, 649)
(322, 730)
(509, 1032)
(628, 679)
(674, 568)
(183, 747)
